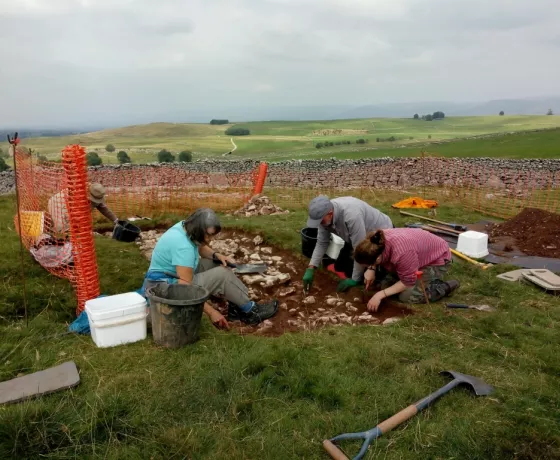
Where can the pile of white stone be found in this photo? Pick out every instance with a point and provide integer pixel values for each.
(260, 205)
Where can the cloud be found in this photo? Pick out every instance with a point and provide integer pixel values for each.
(89, 61)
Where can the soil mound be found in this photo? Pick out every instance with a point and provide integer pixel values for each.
(536, 232)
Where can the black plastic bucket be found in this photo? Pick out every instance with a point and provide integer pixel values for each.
(176, 312)
(308, 240)
(126, 232)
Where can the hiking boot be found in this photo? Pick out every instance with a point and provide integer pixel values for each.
(439, 289)
(258, 313)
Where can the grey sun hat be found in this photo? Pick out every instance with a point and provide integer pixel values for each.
(318, 208)
(96, 193)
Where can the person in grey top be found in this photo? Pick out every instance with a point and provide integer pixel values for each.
(349, 218)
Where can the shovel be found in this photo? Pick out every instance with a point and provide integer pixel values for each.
(474, 307)
(478, 386)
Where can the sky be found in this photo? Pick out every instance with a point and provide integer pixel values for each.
(80, 62)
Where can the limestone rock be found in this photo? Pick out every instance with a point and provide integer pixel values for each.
(391, 321)
(309, 300)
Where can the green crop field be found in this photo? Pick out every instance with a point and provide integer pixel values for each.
(282, 140)
(248, 397)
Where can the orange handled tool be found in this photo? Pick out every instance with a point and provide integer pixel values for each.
(479, 387)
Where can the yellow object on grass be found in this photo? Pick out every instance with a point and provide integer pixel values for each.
(32, 223)
(416, 202)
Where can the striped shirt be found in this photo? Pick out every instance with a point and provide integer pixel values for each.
(408, 250)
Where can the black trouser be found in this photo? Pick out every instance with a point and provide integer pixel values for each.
(345, 261)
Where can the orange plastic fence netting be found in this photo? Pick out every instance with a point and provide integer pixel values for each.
(157, 190)
(56, 224)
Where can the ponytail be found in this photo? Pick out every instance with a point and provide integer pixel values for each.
(367, 252)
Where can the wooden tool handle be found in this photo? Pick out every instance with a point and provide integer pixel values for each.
(398, 418)
(334, 451)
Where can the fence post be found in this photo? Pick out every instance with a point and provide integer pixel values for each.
(261, 177)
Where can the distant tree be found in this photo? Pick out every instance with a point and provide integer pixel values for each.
(235, 131)
(93, 159)
(110, 148)
(429, 136)
(319, 145)
(165, 156)
(428, 117)
(3, 165)
(219, 122)
(123, 157)
(416, 116)
(438, 115)
(42, 158)
(360, 141)
(502, 113)
(550, 112)
(185, 156)
(392, 139)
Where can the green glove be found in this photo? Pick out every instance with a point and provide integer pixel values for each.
(308, 278)
(346, 284)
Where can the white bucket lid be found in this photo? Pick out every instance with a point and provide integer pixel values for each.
(115, 306)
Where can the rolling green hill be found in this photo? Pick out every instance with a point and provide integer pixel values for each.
(297, 139)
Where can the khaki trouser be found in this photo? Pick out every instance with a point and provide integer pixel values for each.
(415, 294)
(219, 281)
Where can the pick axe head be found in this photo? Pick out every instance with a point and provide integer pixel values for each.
(479, 387)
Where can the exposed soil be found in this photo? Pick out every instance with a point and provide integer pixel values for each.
(536, 232)
(283, 280)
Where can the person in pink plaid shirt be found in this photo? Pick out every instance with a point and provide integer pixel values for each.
(397, 255)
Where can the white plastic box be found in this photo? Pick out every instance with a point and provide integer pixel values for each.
(117, 319)
(473, 244)
(335, 246)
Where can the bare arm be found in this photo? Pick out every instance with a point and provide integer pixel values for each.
(104, 209)
(217, 319)
(205, 251)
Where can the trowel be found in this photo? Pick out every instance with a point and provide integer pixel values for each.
(474, 307)
(247, 268)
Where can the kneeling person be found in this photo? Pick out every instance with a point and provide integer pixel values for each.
(350, 219)
(183, 250)
(401, 253)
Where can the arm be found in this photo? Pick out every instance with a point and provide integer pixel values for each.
(217, 319)
(323, 240)
(104, 209)
(185, 274)
(407, 266)
(357, 230)
(207, 252)
(375, 301)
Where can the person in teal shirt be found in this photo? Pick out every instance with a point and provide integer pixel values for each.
(183, 251)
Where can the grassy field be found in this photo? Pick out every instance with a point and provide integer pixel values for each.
(286, 140)
(237, 397)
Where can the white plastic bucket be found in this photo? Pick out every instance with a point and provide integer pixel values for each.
(473, 244)
(117, 319)
(335, 246)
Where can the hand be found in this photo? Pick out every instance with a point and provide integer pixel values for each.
(346, 284)
(369, 277)
(223, 259)
(308, 279)
(218, 320)
(373, 304)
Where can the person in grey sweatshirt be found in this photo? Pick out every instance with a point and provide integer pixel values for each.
(349, 218)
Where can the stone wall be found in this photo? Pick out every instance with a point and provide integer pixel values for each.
(376, 172)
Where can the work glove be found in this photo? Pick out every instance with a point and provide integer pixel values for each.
(308, 279)
(346, 284)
